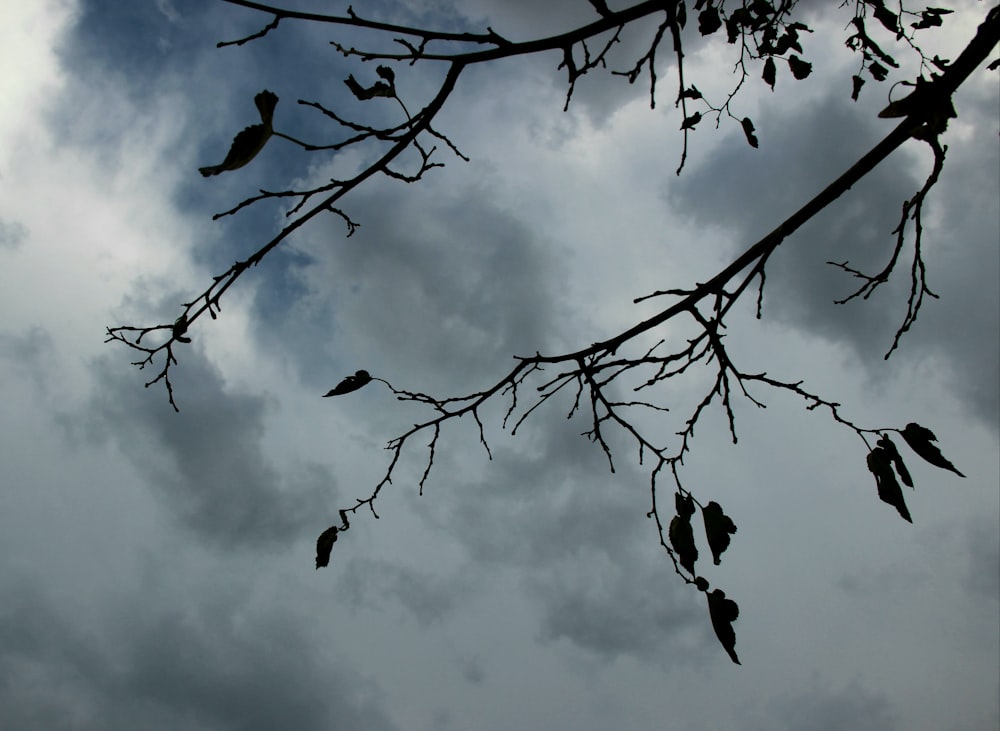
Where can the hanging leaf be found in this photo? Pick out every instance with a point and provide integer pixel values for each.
(769, 72)
(691, 93)
(888, 19)
(351, 383)
(930, 18)
(724, 612)
(718, 528)
(681, 534)
(897, 460)
(691, 121)
(858, 83)
(386, 73)
(919, 438)
(324, 544)
(709, 21)
(249, 142)
(748, 130)
(800, 69)
(889, 491)
(878, 71)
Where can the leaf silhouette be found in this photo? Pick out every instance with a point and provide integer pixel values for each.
(718, 528)
(691, 121)
(897, 460)
(351, 383)
(888, 19)
(681, 535)
(709, 21)
(919, 438)
(724, 612)
(800, 69)
(248, 143)
(889, 491)
(748, 130)
(769, 72)
(858, 82)
(324, 544)
(379, 88)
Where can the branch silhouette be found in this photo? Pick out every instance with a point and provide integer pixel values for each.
(594, 372)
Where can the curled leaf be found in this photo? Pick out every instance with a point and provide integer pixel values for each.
(888, 19)
(681, 534)
(724, 612)
(897, 460)
(770, 72)
(718, 528)
(351, 383)
(386, 73)
(748, 130)
(919, 438)
(709, 21)
(324, 544)
(248, 143)
(800, 69)
(691, 93)
(889, 491)
(691, 121)
(858, 83)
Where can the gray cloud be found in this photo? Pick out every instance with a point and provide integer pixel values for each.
(853, 708)
(735, 189)
(983, 574)
(166, 667)
(208, 462)
(12, 234)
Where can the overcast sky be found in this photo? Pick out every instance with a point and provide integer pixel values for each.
(157, 567)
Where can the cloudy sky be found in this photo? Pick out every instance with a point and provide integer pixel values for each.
(157, 567)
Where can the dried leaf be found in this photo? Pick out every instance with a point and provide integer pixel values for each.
(897, 460)
(681, 535)
(769, 72)
(324, 544)
(249, 142)
(691, 121)
(800, 69)
(858, 83)
(718, 528)
(724, 612)
(748, 130)
(919, 438)
(351, 383)
(889, 491)
(709, 21)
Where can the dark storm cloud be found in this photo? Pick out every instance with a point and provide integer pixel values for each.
(208, 462)
(165, 667)
(373, 583)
